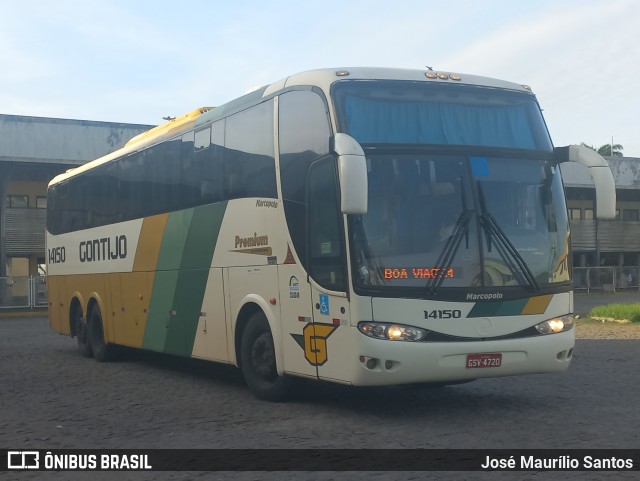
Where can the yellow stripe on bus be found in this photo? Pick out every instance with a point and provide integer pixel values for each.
(537, 305)
(149, 243)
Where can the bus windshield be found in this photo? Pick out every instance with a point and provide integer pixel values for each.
(401, 112)
(467, 216)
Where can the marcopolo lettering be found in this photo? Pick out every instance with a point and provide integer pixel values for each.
(484, 297)
(267, 203)
(104, 249)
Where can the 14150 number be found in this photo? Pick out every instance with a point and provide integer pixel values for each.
(443, 314)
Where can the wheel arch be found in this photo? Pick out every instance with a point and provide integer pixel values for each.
(248, 307)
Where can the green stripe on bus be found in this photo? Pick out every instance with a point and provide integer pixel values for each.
(161, 311)
(192, 280)
(183, 268)
(501, 308)
(174, 240)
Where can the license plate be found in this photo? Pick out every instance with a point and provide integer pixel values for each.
(491, 359)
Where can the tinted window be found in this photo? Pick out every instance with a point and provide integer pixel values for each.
(400, 112)
(202, 138)
(135, 185)
(207, 171)
(176, 174)
(326, 260)
(151, 180)
(303, 137)
(102, 206)
(249, 164)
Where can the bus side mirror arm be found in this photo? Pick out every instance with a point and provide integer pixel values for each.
(600, 173)
(352, 172)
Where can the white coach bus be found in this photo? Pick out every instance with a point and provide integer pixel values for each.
(360, 226)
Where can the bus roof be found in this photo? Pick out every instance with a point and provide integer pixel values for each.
(321, 78)
(324, 78)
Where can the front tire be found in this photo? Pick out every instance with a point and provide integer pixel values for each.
(258, 361)
(102, 352)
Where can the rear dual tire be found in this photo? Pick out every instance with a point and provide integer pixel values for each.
(102, 351)
(80, 329)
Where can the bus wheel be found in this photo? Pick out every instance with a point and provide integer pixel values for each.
(80, 326)
(101, 350)
(258, 361)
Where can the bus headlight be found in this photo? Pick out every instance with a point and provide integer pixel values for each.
(558, 324)
(391, 332)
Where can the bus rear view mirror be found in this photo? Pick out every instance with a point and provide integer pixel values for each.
(600, 173)
(352, 170)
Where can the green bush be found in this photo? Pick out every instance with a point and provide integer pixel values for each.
(630, 312)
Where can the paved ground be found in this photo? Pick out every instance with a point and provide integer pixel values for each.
(583, 302)
(52, 397)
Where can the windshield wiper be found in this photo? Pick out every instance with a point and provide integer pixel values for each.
(512, 258)
(445, 259)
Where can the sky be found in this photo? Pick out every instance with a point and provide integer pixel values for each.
(138, 61)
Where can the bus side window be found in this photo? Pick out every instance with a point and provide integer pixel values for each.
(202, 139)
(326, 257)
(211, 166)
(162, 164)
(202, 167)
(249, 163)
(303, 132)
(189, 186)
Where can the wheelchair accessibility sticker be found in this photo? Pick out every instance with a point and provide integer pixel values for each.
(324, 304)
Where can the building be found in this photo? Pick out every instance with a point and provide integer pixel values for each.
(32, 151)
(604, 242)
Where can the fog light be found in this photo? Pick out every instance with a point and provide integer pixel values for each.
(553, 326)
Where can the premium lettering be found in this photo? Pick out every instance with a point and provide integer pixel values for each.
(104, 249)
(255, 241)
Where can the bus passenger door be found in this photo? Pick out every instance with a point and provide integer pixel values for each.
(329, 347)
(328, 344)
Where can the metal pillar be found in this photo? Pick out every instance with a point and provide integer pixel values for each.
(5, 177)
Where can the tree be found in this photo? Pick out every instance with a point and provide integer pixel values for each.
(605, 150)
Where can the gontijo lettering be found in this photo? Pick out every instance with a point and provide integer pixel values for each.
(104, 249)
